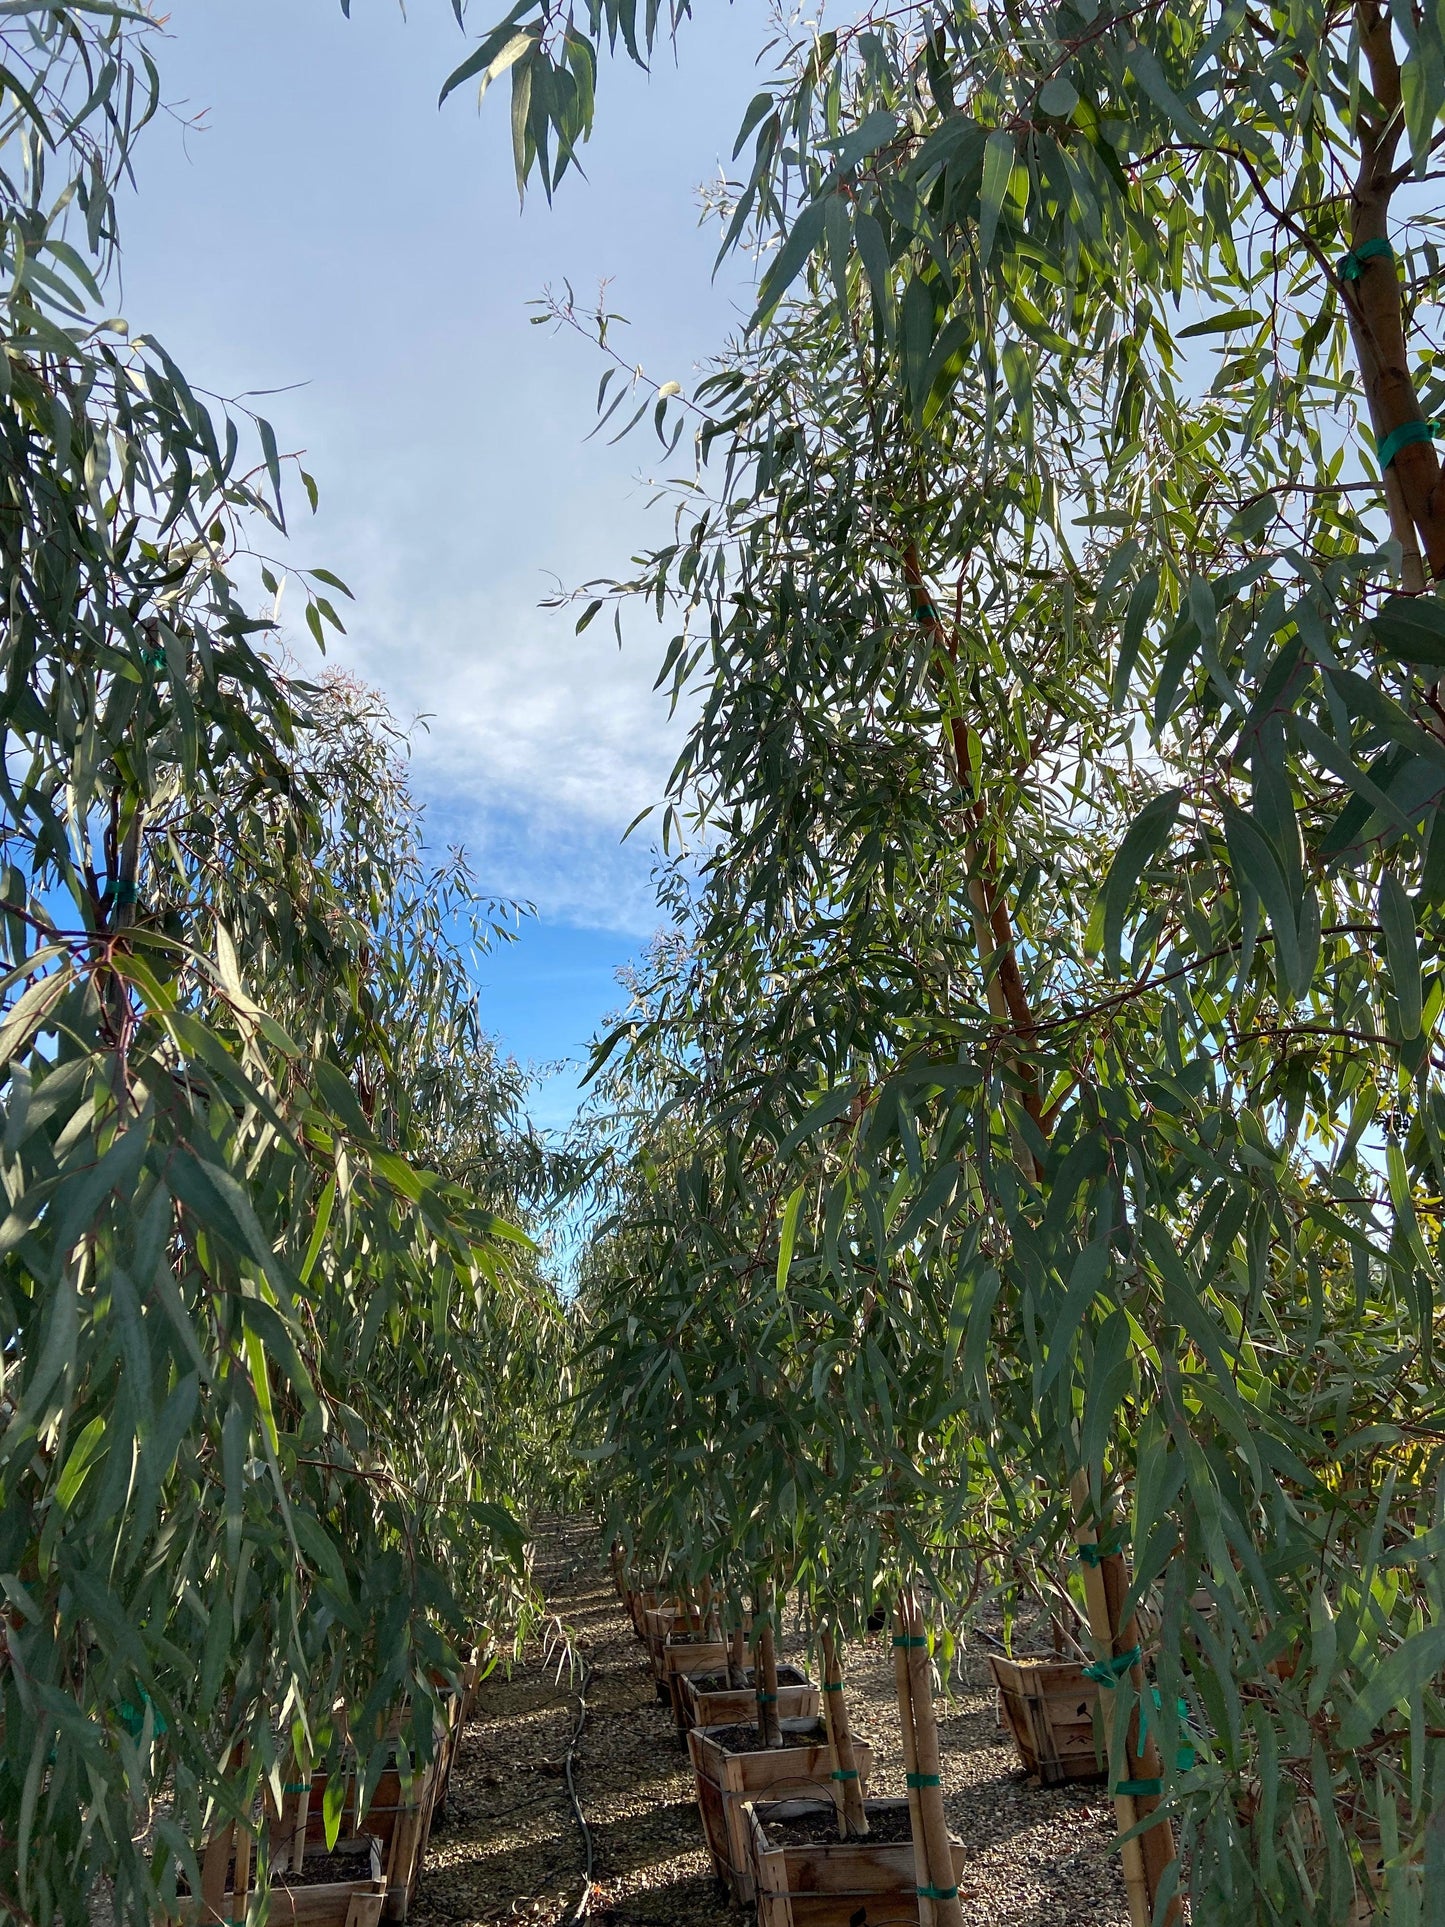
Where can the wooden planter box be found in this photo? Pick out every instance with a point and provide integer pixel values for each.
(353, 1901)
(684, 1653)
(727, 1781)
(399, 1816)
(658, 1626)
(640, 1602)
(1049, 1708)
(834, 1883)
(737, 1706)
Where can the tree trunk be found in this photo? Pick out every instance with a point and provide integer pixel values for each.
(1374, 302)
(1008, 1003)
(737, 1658)
(840, 1741)
(765, 1673)
(938, 1904)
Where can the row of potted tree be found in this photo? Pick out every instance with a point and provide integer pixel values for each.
(280, 1362)
(1028, 1161)
(782, 1778)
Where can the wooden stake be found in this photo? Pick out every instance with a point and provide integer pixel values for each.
(231, 1844)
(1149, 1858)
(840, 1741)
(301, 1779)
(903, 1687)
(927, 1765)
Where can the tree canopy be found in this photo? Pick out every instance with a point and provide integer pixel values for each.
(1051, 1085)
(267, 1183)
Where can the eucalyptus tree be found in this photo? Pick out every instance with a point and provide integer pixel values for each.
(1104, 1147)
(1207, 1111)
(266, 1340)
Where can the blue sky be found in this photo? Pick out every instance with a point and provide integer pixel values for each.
(326, 230)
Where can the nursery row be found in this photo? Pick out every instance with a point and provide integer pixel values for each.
(782, 1779)
(1024, 1153)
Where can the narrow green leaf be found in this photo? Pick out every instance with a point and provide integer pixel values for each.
(998, 166)
(1412, 628)
(1402, 951)
(788, 1235)
(1405, 1672)
(1145, 838)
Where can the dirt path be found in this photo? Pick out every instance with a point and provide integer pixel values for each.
(510, 1849)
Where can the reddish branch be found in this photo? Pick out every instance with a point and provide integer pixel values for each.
(1375, 304)
(1008, 997)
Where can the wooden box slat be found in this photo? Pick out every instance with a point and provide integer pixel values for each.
(333, 1903)
(657, 1624)
(1048, 1706)
(738, 1706)
(400, 1817)
(726, 1781)
(640, 1602)
(834, 1883)
(684, 1653)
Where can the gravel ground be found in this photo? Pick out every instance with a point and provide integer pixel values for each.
(509, 1847)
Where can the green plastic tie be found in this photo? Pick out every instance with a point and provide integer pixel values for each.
(1185, 1757)
(1108, 1672)
(1405, 436)
(133, 1718)
(924, 1779)
(768, 1699)
(1352, 266)
(910, 1639)
(832, 1685)
(1144, 1789)
(845, 1773)
(1094, 1554)
(936, 1893)
(297, 1786)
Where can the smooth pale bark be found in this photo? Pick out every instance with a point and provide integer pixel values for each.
(840, 1741)
(737, 1659)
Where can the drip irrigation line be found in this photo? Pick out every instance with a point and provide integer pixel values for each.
(584, 1903)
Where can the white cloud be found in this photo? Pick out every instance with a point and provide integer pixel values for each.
(537, 747)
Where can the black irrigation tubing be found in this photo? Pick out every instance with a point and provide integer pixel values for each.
(584, 1903)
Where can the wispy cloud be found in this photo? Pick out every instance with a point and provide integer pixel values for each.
(534, 746)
